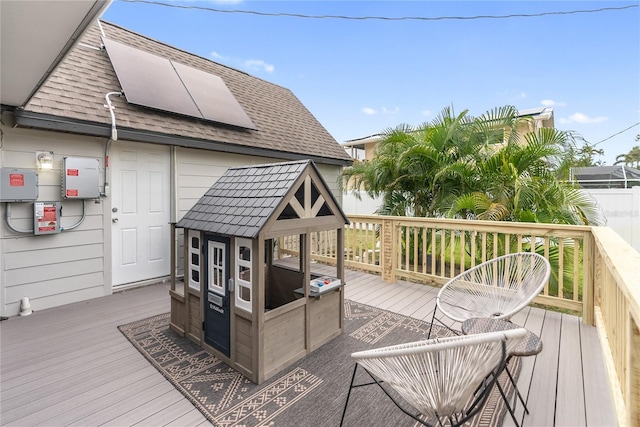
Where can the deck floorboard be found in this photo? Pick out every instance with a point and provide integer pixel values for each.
(71, 366)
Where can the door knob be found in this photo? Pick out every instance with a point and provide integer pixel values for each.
(114, 220)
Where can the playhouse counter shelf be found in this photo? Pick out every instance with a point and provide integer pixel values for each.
(321, 286)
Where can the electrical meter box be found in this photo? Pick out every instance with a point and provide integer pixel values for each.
(46, 217)
(18, 185)
(80, 178)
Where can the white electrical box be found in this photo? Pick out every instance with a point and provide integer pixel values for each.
(80, 178)
(46, 217)
(18, 185)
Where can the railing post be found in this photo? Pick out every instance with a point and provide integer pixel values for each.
(588, 283)
(388, 250)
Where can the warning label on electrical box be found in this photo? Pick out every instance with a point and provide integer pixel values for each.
(16, 180)
(72, 193)
(46, 217)
(72, 172)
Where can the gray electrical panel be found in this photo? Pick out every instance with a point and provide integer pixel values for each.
(18, 185)
(46, 217)
(80, 178)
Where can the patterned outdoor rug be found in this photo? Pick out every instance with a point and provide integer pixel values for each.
(311, 393)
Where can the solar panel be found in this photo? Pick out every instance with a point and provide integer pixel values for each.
(213, 98)
(151, 81)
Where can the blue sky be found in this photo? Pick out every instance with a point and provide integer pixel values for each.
(360, 77)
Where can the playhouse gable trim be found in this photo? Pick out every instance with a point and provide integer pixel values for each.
(248, 200)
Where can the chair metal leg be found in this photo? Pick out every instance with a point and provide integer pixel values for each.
(344, 411)
(506, 403)
(433, 318)
(513, 381)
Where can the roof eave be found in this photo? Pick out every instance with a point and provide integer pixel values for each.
(64, 124)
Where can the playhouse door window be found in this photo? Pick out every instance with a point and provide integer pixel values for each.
(216, 267)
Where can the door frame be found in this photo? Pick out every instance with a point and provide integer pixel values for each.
(114, 166)
(214, 295)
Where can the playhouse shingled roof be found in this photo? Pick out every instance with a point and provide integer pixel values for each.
(73, 100)
(244, 198)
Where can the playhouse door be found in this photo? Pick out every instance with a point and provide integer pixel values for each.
(217, 314)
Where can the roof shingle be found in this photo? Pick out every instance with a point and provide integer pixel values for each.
(245, 213)
(76, 90)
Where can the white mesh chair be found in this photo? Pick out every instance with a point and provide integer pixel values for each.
(497, 288)
(446, 380)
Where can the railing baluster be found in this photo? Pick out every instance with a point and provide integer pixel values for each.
(576, 269)
(560, 268)
(415, 249)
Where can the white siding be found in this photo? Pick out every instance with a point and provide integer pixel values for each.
(59, 268)
(75, 265)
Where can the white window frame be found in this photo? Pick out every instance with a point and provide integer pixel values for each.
(193, 234)
(214, 246)
(241, 283)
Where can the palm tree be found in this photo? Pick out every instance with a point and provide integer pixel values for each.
(416, 169)
(518, 182)
(632, 158)
(462, 166)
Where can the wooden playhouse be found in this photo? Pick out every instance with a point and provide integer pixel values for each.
(258, 313)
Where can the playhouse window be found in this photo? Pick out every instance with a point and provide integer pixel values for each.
(217, 267)
(243, 273)
(194, 260)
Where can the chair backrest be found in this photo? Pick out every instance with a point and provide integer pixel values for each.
(497, 288)
(439, 376)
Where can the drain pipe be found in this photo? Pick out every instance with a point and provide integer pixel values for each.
(101, 29)
(114, 137)
(114, 131)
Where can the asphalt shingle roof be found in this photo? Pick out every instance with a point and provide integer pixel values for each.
(77, 87)
(243, 199)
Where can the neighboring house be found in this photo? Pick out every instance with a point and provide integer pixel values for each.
(182, 122)
(364, 149)
(617, 176)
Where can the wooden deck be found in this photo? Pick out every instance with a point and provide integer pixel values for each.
(71, 366)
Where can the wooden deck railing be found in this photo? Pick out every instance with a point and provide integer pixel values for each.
(617, 316)
(595, 273)
(435, 250)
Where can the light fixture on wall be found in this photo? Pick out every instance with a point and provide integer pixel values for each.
(44, 159)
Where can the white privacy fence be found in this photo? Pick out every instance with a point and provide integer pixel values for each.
(621, 208)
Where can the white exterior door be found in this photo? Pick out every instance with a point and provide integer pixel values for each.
(140, 192)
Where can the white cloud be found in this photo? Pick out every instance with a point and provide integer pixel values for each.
(523, 95)
(369, 111)
(426, 112)
(584, 119)
(552, 103)
(385, 110)
(258, 64)
(216, 55)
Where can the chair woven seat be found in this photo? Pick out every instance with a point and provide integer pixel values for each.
(498, 288)
(445, 379)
